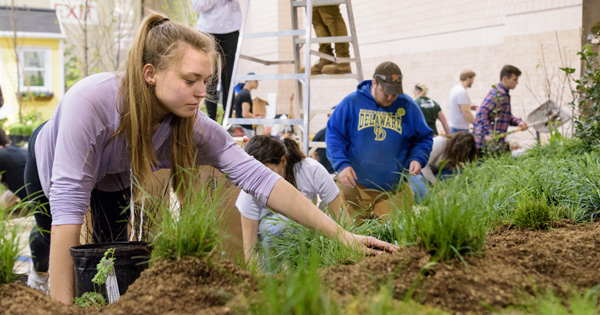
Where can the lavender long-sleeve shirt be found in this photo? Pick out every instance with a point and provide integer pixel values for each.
(75, 153)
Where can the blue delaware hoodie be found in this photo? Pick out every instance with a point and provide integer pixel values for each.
(378, 142)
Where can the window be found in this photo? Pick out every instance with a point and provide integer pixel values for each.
(36, 69)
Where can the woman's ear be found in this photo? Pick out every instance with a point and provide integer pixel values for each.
(149, 74)
(283, 161)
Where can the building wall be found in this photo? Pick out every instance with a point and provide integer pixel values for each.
(432, 41)
(269, 16)
(8, 79)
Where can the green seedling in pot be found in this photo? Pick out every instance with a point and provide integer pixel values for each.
(105, 273)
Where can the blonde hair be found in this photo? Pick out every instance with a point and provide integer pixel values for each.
(423, 88)
(161, 43)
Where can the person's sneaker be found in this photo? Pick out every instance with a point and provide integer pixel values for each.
(316, 68)
(37, 280)
(338, 68)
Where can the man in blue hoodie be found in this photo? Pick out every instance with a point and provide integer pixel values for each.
(374, 136)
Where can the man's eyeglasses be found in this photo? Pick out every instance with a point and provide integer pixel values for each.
(390, 78)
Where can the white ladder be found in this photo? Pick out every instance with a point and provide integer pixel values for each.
(302, 38)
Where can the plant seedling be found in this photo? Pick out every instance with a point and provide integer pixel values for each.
(104, 267)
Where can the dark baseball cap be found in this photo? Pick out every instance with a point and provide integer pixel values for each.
(388, 74)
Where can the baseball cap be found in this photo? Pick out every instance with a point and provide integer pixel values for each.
(388, 74)
(251, 73)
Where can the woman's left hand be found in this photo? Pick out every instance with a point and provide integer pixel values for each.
(370, 245)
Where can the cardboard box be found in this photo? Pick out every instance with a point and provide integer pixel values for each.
(259, 106)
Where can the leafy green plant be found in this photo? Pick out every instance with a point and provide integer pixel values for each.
(18, 129)
(104, 267)
(586, 95)
(89, 299)
(193, 229)
(25, 128)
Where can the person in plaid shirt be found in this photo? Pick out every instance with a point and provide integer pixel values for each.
(494, 114)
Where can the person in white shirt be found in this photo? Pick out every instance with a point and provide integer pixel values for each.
(306, 174)
(460, 103)
(222, 19)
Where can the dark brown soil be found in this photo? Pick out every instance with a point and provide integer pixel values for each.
(513, 263)
(16, 298)
(186, 286)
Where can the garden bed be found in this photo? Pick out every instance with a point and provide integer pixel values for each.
(514, 266)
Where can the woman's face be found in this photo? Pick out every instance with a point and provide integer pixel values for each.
(416, 93)
(181, 86)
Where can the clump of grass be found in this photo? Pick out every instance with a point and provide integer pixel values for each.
(288, 250)
(548, 303)
(192, 230)
(297, 291)
(9, 239)
(9, 247)
(449, 226)
(534, 213)
(383, 302)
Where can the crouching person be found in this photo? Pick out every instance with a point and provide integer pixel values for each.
(374, 136)
(259, 224)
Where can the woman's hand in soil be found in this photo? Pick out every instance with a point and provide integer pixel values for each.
(370, 245)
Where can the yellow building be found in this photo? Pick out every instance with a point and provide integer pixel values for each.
(36, 66)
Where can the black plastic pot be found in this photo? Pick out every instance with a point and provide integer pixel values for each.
(131, 259)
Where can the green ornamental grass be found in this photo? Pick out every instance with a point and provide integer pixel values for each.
(534, 213)
(192, 228)
(287, 250)
(9, 248)
(296, 291)
(9, 240)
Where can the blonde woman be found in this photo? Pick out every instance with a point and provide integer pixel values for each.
(114, 129)
(430, 108)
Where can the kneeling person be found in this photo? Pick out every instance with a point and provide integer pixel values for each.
(306, 174)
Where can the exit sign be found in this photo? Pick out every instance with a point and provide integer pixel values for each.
(76, 11)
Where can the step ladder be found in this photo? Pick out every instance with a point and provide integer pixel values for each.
(302, 40)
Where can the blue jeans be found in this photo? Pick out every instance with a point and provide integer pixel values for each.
(418, 184)
(455, 130)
